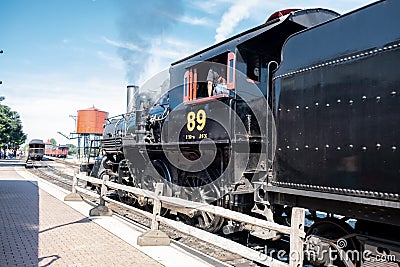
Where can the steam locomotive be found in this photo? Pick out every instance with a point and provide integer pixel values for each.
(309, 118)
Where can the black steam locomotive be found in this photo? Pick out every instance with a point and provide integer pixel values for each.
(308, 116)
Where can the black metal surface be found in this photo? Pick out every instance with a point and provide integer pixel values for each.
(368, 28)
(352, 207)
(216, 114)
(338, 121)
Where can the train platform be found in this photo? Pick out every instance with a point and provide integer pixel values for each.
(38, 228)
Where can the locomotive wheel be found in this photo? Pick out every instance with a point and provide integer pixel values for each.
(124, 196)
(339, 232)
(199, 188)
(111, 178)
(282, 215)
(149, 183)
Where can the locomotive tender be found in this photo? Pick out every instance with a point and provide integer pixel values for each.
(310, 118)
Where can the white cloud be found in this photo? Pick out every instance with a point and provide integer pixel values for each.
(112, 61)
(210, 6)
(153, 76)
(127, 45)
(162, 52)
(194, 21)
(230, 19)
(179, 43)
(159, 47)
(172, 49)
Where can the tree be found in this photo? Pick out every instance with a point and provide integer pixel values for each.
(11, 133)
(72, 149)
(53, 141)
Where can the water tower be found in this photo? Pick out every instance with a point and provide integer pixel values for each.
(89, 128)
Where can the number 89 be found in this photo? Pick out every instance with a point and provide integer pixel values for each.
(192, 118)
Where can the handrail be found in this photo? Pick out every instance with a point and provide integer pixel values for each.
(296, 230)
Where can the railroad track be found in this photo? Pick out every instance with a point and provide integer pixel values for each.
(50, 173)
(57, 175)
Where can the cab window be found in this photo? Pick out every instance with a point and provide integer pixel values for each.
(208, 78)
(253, 67)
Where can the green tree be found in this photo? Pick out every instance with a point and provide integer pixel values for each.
(72, 149)
(11, 133)
(53, 141)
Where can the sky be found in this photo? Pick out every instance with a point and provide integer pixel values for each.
(61, 56)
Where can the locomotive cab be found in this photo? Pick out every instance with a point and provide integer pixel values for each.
(198, 75)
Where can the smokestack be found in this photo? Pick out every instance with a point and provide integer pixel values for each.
(131, 94)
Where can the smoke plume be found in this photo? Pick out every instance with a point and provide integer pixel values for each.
(140, 26)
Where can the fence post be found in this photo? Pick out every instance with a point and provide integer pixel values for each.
(73, 196)
(296, 256)
(102, 209)
(155, 237)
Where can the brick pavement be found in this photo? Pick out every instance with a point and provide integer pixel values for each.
(37, 229)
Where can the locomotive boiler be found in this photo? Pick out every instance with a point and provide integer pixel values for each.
(309, 117)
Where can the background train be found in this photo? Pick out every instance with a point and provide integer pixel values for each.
(309, 118)
(35, 149)
(60, 151)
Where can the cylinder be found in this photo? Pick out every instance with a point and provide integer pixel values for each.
(91, 121)
(131, 93)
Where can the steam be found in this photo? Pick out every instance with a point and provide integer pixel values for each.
(140, 28)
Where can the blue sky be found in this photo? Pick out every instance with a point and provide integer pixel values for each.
(61, 56)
